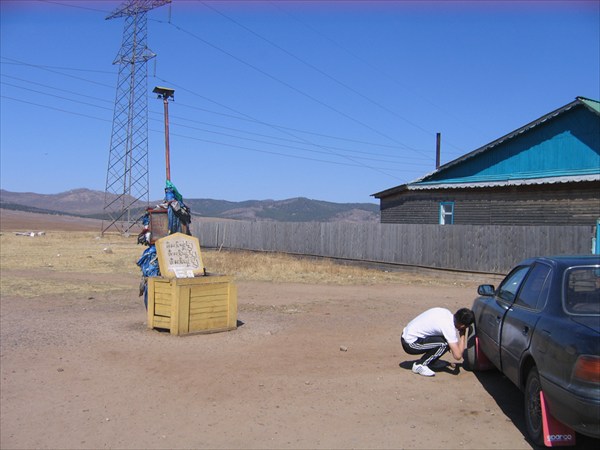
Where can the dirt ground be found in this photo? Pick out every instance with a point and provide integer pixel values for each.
(309, 367)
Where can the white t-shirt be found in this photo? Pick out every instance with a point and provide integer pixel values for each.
(433, 322)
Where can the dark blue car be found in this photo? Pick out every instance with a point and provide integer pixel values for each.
(541, 328)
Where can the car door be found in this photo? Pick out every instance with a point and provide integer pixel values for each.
(489, 325)
(521, 318)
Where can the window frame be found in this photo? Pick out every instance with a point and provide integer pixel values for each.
(514, 279)
(542, 293)
(565, 288)
(443, 215)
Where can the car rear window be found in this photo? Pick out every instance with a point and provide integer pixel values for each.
(582, 290)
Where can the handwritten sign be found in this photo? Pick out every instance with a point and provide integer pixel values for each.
(179, 256)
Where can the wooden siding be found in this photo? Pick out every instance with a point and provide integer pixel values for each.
(471, 248)
(575, 204)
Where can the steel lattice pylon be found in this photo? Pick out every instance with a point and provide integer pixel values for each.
(127, 175)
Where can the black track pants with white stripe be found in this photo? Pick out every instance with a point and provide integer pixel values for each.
(432, 348)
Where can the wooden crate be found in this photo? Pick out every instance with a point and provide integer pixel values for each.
(204, 304)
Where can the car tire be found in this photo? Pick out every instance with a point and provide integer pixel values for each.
(470, 353)
(533, 408)
(473, 358)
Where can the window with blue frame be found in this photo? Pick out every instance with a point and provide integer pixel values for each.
(446, 213)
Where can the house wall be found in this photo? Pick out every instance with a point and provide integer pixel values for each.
(556, 204)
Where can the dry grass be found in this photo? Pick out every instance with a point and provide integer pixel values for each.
(86, 253)
(69, 252)
(284, 268)
(36, 263)
(36, 287)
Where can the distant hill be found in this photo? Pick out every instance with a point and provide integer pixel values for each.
(79, 202)
(89, 203)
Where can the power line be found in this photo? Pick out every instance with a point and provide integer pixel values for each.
(37, 66)
(51, 69)
(276, 153)
(292, 55)
(54, 88)
(284, 145)
(56, 96)
(71, 5)
(308, 64)
(191, 120)
(370, 65)
(288, 85)
(288, 133)
(45, 93)
(281, 138)
(54, 108)
(278, 126)
(356, 160)
(224, 144)
(44, 66)
(237, 116)
(318, 70)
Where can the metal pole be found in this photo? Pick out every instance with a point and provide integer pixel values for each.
(165, 93)
(438, 141)
(167, 151)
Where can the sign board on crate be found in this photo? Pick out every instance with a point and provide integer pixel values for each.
(179, 256)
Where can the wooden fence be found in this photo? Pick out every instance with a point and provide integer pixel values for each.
(470, 248)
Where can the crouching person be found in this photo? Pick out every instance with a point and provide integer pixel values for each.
(434, 332)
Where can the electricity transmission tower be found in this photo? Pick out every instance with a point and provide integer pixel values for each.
(127, 174)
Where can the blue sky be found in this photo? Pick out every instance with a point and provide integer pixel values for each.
(327, 100)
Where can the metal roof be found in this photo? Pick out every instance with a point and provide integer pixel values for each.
(421, 183)
(592, 104)
(498, 183)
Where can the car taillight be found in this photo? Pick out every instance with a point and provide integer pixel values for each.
(587, 368)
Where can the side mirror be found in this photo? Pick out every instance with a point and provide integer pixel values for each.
(487, 290)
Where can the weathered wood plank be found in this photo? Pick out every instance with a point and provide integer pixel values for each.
(162, 322)
(477, 248)
(162, 310)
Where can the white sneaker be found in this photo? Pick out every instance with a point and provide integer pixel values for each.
(423, 370)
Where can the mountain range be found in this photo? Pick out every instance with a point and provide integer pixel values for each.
(89, 203)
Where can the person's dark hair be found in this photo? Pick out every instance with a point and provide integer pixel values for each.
(464, 316)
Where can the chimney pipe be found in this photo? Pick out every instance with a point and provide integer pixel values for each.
(438, 140)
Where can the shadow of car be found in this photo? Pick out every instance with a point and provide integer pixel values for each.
(510, 401)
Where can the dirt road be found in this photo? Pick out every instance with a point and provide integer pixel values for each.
(87, 373)
(310, 366)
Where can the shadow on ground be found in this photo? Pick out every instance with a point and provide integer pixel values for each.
(508, 397)
(442, 366)
(510, 400)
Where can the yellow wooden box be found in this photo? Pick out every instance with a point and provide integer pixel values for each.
(204, 304)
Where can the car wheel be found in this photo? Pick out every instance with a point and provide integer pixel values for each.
(473, 358)
(470, 353)
(533, 407)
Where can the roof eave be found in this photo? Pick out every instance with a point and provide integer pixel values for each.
(391, 191)
(506, 182)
